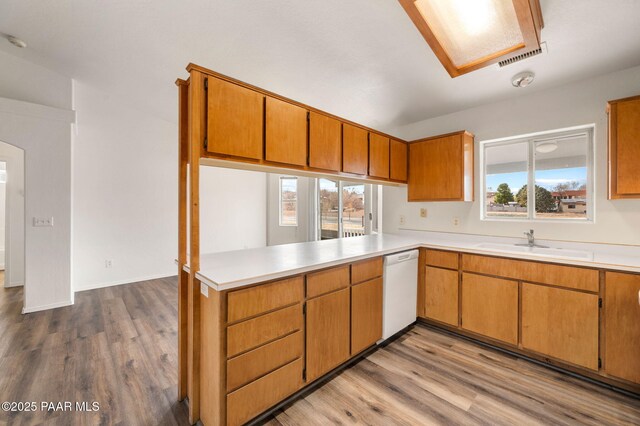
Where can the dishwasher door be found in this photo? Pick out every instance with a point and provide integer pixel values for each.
(400, 286)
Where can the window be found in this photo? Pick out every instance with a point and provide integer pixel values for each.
(539, 177)
(345, 209)
(288, 201)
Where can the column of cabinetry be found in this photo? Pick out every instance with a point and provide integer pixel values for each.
(366, 304)
(441, 286)
(328, 317)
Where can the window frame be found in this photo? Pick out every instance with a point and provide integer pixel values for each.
(531, 139)
(280, 180)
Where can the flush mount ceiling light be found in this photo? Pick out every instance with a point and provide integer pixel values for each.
(467, 35)
(523, 79)
(16, 41)
(546, 147)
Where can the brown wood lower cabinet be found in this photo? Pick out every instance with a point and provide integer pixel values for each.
(366, 314)
(441, 295)
(252, 399)
(258, 341)
(561, 323)
(327, 332)
(490, 307)
(622, 326)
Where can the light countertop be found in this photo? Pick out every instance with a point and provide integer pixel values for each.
(232, 269)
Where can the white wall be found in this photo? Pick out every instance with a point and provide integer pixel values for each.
(45, 135)
(579, 103)
(233, 210)
(13, 240)
(277, 234)
(26, 81)
(125, 191)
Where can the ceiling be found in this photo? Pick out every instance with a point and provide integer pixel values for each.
(360, 59)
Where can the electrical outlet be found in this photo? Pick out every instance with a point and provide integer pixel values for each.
(43, 221)
(108, 263)
(456, 221)
(423, 212)
(402, 219)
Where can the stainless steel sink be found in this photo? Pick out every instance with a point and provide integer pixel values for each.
(538, 251)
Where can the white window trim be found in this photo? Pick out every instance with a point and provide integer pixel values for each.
(281, 178)
(531, 138)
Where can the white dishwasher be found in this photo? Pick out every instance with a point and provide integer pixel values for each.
(400, 287)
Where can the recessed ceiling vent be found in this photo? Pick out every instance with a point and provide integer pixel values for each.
(523, 56)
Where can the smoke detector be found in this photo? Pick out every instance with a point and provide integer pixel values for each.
(523, 79)
(16, 41)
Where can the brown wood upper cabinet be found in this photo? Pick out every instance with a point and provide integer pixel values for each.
(378, 156)
(286, 133)
(325, 142)
(355, 149)
(399, 159)
(235, 120)
(624, 148)
(621, 322)
(441, 168)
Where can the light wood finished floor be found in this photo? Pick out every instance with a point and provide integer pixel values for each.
(430, 378)
(118, 346)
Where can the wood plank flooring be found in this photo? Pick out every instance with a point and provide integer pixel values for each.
(118, 346)
(428, 377)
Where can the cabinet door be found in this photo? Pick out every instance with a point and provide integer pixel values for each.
(325, 142)
(624, 148)
(441, 169)
(622, 326)
(366, 314)
(399, 160)
(235, 118)
(378, 156)
(441, 295)
(560, 323)
(327, 333)
(355, 149)
(490, 307)
(286, 133)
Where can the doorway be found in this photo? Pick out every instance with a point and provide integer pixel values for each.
(345, 209)
(12, 216)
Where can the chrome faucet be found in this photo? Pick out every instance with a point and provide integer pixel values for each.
(531, 242)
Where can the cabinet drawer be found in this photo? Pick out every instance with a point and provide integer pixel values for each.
(544, 273)
(366, 270)
(561, 323)
(254, 301)
(327, 281)
(258, 331)
(442, 259)
(253, 364)
(256, 397)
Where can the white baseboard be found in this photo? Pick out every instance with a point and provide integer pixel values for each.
(125, 281)
(26, 310)
(8, 285)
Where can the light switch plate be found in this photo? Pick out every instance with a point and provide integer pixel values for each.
(423, 212)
